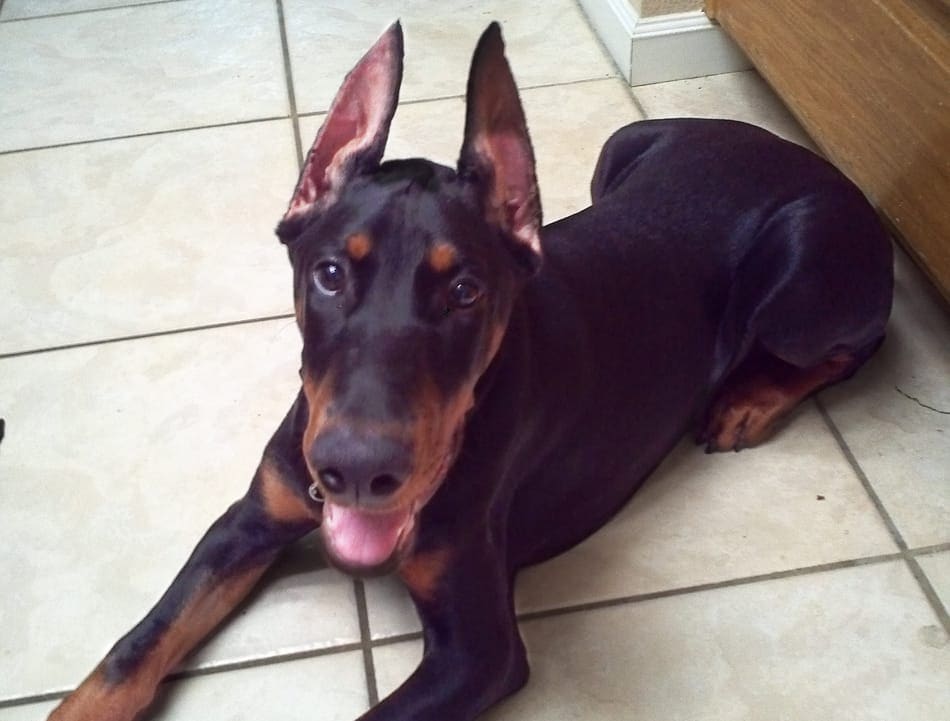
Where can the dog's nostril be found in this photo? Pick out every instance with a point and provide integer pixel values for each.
(384, 485)
(332, 480)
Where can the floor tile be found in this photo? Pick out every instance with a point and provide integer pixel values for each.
(326, 688)
(792, 503)
(703, 519)
(389, 607)
(30, 712)
(394, 662)
(287, 691)
(740, 96)
(116, 459)
(326, 39)
(140, 69)
(896, 419)
(145, 234)
(569, 125)
(580, 116)
(16, 9)
(937, 568)
(856, 643)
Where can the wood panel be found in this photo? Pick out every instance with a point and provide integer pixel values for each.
(870, 81)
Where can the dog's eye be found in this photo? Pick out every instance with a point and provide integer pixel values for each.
(329, 278)
(464, 293)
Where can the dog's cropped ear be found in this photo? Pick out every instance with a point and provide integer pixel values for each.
(497, 150)
(353, 136)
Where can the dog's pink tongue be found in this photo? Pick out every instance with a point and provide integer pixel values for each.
(359, 538)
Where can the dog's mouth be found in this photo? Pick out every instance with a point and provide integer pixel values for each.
(365, 542)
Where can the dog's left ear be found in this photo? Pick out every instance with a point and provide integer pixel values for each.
(353, 136)
(497, 150)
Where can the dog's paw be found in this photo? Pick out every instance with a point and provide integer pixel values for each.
(737, 427)
(743, 418)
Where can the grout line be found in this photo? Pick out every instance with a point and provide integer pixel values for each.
(703, 587)
(366, 642)
(262, 661)
(34, 698)
(929, 592)
(418, 101)
(579, 81)
(295, 119)
(521, 89)
(673, 592)
(289, 77)
(398, 638)
(908, 555)
(637, 104)
(461, 96)
(862, 477)
(929, 550)
(87, 10)
(146, 134)
(141, 336)
(203, 671)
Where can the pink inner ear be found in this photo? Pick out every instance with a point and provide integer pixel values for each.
(497, 149)
(514, 194)
(341, 137)
(356, 124)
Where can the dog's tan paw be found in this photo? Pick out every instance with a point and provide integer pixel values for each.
(739, 427)
(744, 417)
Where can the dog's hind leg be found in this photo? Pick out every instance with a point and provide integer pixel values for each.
(809, 305)
(762, 392)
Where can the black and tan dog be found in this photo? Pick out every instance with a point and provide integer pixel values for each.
(480, 393)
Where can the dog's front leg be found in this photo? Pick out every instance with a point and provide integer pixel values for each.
(473, 654)
(233, 554)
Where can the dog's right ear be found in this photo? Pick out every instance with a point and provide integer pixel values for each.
(353, 136)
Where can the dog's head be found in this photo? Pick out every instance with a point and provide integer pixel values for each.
(405, 273)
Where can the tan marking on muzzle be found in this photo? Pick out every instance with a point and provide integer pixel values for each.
(434, 432)
(318, 394)
(439, 420)
(438, 426)
(494, 343)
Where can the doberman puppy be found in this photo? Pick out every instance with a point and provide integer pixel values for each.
(468, 408)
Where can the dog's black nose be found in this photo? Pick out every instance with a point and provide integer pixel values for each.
(357, 467)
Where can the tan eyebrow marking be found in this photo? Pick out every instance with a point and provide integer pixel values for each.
(442, 256)
(358, 246)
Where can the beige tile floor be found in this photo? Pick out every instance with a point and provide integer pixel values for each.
(146, 353)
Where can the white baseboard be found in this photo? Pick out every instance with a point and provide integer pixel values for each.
(662, 48)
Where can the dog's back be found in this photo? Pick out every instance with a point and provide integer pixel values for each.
(708, 242)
